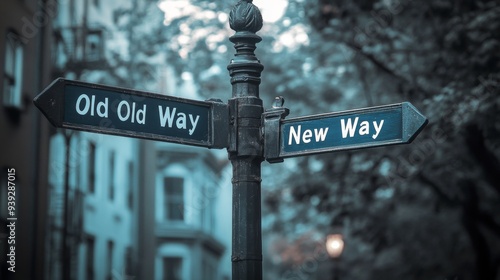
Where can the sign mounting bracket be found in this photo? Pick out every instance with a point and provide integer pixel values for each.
(271, 123)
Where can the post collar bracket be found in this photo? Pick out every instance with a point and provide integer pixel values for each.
(271, 126)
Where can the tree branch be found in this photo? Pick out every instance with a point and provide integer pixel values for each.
(475, 141)
(470, 213)
(386, 69)
(489, 222)
(437, 189)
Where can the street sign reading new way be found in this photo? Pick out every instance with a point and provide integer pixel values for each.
(126, 112)
(347, 130)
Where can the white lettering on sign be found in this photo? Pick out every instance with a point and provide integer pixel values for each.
(193, 122)
(168, 116)
(164, 117)
(349, 127)
(102, 106)
(89, 104)
(307, 136)
(377, 128)
(120, 111)
(128, 113)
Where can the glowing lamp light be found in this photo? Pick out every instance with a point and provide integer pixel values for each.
(334, 245)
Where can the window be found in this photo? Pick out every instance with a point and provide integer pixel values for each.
(76, 160)
(13, 71)
(111, 245)
(91, 166)
(111, 187)
(3, 195)
(208, 270)
(130, 169)
(89, 258)
(207, 208)
(128, 261)
(174, 198)
(94, 45)
(172, 268)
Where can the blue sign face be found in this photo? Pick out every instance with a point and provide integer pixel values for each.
(353, 129)
(132, 113)
(136, 114)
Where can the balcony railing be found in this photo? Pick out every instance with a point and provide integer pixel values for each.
(78, 48)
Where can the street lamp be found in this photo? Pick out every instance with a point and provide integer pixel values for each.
(334, 247)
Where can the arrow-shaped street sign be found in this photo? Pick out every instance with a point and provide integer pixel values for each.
(347, 130)
(126, 112)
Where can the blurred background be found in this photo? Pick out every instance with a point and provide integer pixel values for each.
(93, 206)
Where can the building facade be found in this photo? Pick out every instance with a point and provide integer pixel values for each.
(92, 206)
(25, 68)
(189, 186)
(93, 177)
(101, 184)
(163, 199)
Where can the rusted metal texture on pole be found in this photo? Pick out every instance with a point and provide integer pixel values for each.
(246, 144)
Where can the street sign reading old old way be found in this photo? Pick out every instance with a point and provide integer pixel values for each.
(249, 134)
(118, 111)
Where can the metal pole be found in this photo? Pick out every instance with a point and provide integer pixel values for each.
(245, 143)
(335, 269)
(66, 274)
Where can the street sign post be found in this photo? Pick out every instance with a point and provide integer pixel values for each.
(347, 130)
(249, 134)
(111, 110)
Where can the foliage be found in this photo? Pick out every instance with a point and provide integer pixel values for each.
(422, 211)
(427, 210)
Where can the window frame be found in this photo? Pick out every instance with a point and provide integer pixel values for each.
(13, 67)
(131, 184)
(3, 196)
(112, 175)
(110, 248)
(90, 245)
(174, 204)
(165, 261)
(91, 167)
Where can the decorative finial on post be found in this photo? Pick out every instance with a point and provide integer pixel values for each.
(246, 19)
(245, 16)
